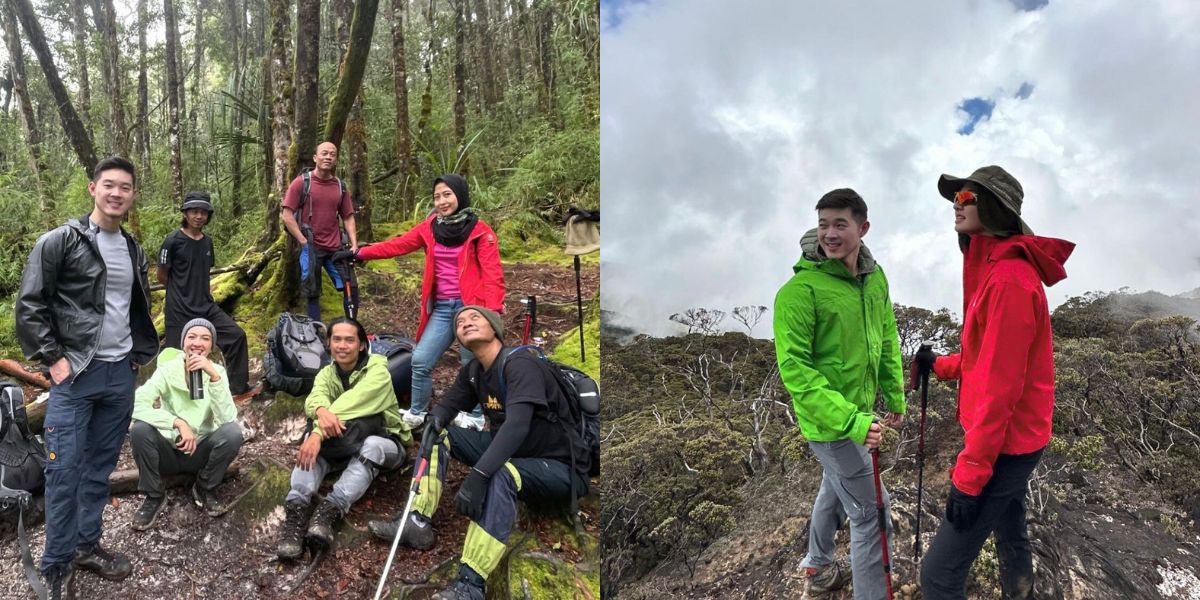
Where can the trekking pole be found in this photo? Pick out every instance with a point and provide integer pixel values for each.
(921, 379)
(348, 288)
(887, 561)
(579, 303)
(412, 495)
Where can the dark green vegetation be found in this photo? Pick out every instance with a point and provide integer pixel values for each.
(708, 482)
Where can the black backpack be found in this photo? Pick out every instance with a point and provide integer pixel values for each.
(581, 415)
(295, 352)
(398, 351)
(22, 463)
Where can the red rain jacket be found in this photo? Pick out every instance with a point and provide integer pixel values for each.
(1006, 367)
(480, 276)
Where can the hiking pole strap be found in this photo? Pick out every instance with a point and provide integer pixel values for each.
(31, 573)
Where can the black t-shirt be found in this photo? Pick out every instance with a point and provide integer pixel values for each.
(187, 262)
(528, 382)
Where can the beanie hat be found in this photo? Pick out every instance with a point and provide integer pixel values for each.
(493, 319)
(201, 322)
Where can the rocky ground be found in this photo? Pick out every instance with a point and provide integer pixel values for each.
(190, 555)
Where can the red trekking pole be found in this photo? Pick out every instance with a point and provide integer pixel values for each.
(887, 561)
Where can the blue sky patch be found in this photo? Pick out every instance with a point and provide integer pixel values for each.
(1029, 5)
(977, 109)
(1024, 91)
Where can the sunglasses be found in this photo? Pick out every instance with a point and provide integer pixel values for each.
(965, 198)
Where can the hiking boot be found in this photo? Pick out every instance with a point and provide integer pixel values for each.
(831, 577)
(469, 421)
(148, 512)
(418, 532)
(413, 420)
(250, 392)
(468, 586)
(321, 529)
(60, 582)
(291, 534)
(110, 566)
(207, 500)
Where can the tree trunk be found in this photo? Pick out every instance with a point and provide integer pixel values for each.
(545, 17)
(173, 108)
(237, 24)
(460, 104)
(281, 75)
(353, 66)
(143, 94)
(81, 141)
(427, 96)
(33, 137)
(266, 128)
(405, 159)
(197, 76)
(79, 29)
(520, 25)
(486, 60)
(358, 184)
(308, 45)
(105, 17)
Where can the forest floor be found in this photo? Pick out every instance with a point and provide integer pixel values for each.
(190, 555)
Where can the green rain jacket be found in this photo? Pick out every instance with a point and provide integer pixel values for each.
(168, 389)
(370, 393)
(836, 343)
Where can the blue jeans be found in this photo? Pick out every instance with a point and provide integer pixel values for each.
(435, 340)
(86, 423)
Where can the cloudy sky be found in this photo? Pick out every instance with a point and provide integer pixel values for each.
(722, 123)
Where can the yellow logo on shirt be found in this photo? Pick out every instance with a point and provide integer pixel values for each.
(492, 403)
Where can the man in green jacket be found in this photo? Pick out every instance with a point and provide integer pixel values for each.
(182, 435)
(355, 427)
(836, 343)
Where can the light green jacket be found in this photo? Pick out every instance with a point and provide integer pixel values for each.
(836, 344)
(370, 393)
(168, 388)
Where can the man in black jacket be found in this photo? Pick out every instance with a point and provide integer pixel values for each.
(83, 311)
(526, 455)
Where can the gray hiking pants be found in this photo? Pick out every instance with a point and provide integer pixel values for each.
(848, 490)
(376, 453)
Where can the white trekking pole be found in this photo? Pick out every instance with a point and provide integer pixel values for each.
(412, 495)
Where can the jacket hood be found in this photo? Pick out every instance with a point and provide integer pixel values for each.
(814, 259)
(1047, 255)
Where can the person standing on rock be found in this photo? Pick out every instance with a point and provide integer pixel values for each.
(355, 427)
(837, 346)
(1006, 382)
(83, 311)
(175, 432)
(462, 266)
(311, 207)
(184, 262)
(526, 455)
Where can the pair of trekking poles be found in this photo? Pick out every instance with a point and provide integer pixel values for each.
(920, 378)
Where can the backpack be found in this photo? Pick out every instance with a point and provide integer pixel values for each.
(22, 460)
(398, 350)
(580, 416)
(295, 352)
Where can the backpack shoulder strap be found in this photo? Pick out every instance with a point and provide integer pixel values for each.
(304, 192)
(504, 363)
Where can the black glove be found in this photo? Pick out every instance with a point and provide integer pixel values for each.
(433, 430)
(922, 364)
(342, 255)
(469, 500)
(961, 509)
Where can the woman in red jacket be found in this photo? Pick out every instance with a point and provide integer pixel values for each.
(462, 266)
(1006, 382)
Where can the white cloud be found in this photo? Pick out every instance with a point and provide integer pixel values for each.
(723, 123)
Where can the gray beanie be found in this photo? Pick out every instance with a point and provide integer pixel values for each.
(198, 323)
(493, 319)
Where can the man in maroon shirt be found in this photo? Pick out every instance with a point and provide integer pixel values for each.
(313, 221)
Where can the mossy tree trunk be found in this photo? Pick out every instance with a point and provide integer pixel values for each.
(33, 136)
(354, 64)
(281, 112)
(308, 44)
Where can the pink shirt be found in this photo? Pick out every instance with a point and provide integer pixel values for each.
(445, 272)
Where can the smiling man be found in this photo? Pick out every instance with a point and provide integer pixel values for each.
(83, 311)
(836, 343)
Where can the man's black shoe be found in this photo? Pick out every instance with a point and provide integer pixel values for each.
(207, 500)
(418, 532)
(291, 534)
(113, 567)
(148, 512)
(468, 586)
(60, 582)
(321, 528)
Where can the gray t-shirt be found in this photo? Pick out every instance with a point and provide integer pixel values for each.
(115, 339)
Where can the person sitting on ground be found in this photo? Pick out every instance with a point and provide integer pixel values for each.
(354, 426)
(526, 455)
(462, 266)
(197, 437)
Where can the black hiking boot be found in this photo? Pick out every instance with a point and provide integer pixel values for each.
(418, 532)
(60, 582)
(468, 586)
(110, 566)
(207, 500)
(321, 529)
(291, 534)
(148, 512)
